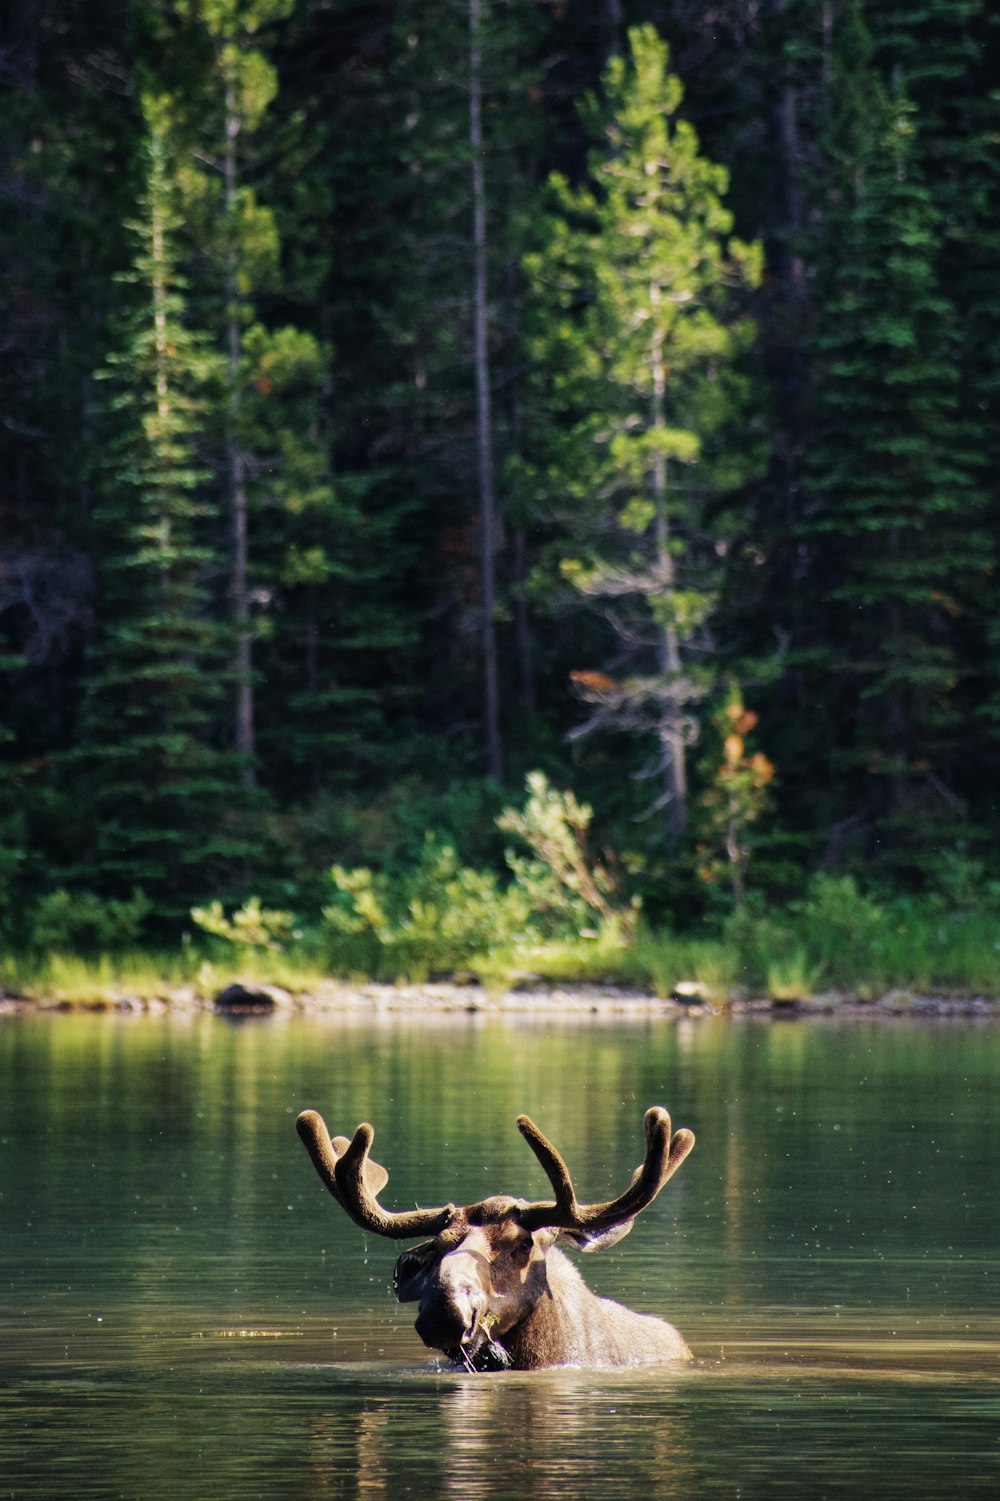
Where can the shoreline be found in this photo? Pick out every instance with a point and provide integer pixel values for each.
(536, 1001)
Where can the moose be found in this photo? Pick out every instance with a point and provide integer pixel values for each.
(494, 1289)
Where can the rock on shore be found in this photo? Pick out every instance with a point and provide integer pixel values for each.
(531, 998)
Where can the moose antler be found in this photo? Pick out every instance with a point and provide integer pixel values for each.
(355, 1181)
(664, 1155)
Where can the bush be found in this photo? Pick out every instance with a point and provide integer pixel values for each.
(81, 922)
(250, 927)
(842, 932)
(438, 915)
(556, 828)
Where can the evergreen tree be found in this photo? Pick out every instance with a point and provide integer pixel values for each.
(330, 636)
(444, 232)
(636, 346)
(344, 668)
(946, 53)
(64, 143)
(297, 547)
(894, 525)
(158, 789)
(272, 447)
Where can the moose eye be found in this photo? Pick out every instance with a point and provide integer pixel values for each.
(522, 1248)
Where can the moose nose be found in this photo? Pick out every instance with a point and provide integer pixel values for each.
(445, 1318)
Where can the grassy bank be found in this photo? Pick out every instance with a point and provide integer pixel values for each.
(834, 939)
(556, 914)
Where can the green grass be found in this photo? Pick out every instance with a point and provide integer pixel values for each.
(793, 977)
(72, 980)
(835, 939)
(106, 979)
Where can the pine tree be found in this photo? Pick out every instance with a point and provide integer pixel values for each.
(159, 790)
(342, 668)
(272, 447)
(894, 523)
(64, 145)
(443, 235)
(946, 53)
(636, 346)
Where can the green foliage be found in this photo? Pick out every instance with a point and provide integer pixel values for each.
(82, 923)
(267, 422)
(637, 342)
(960, 883)
(556, 828)
(13, 860)
(841, 930)
(148, 763)
(441, 917)
(793, 977)
(95, 981)
(735, 796)
(839, 937)
(437, 916)
(236, 255)
(249, 927)
(896, 534)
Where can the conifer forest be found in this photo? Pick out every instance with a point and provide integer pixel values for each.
(538, 456)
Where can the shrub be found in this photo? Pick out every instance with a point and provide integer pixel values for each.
(735, 796)
(438, 915)
(556, 828)
(85, 923)
(842, 931)
(250, 927)
(758, 938)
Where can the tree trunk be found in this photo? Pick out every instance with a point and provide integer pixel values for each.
(523, 646)
(668, 647)
(159, 289)
(522, 626)
(613, 20)
(484, 432)
(236, 479)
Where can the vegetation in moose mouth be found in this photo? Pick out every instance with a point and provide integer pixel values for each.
(481, 1354)
(479, 1351)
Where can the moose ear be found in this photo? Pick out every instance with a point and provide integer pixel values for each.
(410, 1273)
(600, 1240)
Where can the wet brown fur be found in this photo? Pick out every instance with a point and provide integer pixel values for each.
(569, 1325)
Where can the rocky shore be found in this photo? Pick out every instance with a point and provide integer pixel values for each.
(535, 1000)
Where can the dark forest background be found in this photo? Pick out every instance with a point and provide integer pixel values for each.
(336, 494)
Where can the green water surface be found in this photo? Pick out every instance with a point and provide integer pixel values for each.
(185, 1312)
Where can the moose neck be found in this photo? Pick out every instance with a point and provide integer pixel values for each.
(570, 1325)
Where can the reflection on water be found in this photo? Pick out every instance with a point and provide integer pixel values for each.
(278, 1429)
(184, 1312)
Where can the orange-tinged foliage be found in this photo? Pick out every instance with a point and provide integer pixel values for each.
(742, 720)
(733, 749)
(763, 768)
(594, 682)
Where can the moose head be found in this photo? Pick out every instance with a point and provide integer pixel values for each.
(494, 1289)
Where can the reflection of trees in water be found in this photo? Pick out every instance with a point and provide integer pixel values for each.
(350, 1453)
(541, 1437)
(563, 1433)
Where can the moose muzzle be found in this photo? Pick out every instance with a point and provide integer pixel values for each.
(453, 1302)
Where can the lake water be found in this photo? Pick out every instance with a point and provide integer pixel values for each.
(185, 1312)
